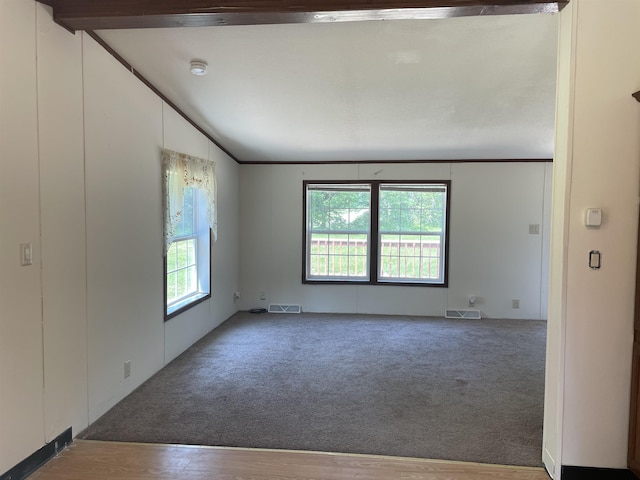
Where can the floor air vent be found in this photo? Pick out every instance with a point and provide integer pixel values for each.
(462, 313)
(282, 308)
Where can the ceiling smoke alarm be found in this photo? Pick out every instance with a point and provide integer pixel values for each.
(198, 67)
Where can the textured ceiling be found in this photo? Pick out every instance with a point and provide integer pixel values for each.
(456, 88)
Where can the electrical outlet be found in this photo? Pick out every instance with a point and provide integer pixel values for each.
(515, 303)
(236, 296)
(127, 369)
(26, 254)
(263, 295)
(534, 229)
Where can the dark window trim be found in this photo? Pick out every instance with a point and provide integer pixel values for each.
(373, 260)
(199, 300)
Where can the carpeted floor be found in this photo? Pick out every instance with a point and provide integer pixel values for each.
(406, 386)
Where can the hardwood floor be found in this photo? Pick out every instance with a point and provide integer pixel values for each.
(86, 459)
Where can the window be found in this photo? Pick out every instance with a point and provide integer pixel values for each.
(339, 232)
(376, 232)
(188, 257)
(190, 221)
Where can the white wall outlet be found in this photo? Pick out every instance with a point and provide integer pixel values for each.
(263, 295)
(236, 296)
(127, 369)
(515, 303)
(26, 254)
(534, 229)
(472, 300)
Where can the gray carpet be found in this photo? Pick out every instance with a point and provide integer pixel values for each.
(407, 386)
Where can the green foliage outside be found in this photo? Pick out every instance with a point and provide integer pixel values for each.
(181, 269)
(411, 211)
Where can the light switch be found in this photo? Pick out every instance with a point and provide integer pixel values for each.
(26, 254)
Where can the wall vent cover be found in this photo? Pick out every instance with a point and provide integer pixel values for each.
(462, 313)
(284, 308)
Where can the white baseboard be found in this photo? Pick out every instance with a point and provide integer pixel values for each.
(549, 464)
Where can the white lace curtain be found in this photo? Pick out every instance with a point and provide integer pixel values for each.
(179, 172)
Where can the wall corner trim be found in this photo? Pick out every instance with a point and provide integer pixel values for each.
(38, 458)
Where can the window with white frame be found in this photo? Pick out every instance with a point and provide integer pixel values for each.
(190, 221)
(376, 232)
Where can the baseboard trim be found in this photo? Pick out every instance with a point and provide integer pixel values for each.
(38, 458)
(549, 463)
(590, 473)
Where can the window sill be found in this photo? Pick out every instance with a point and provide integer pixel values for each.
(399, 283)
(185, 304)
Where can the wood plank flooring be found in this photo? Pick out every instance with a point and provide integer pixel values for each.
(95, 460)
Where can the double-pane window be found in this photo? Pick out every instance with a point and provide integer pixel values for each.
(376, 232)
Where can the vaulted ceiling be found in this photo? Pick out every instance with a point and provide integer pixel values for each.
(459, 87)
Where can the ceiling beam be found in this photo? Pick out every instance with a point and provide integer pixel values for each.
(119, 14)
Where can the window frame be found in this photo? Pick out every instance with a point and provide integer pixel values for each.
(375, 235)
(200, 234)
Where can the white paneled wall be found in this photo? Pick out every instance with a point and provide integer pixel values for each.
(598, 159)
(123, 137)
(75, 125)
(492, 254)
(21, 353)
(63, 226)
(80, 143)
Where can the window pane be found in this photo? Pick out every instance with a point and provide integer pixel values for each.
(408, 214)
(187, 225)
(171, 287)
(318, 265)
(182, 272)
(338, 224)
(319, 244)
(192, 280)
(172, 258)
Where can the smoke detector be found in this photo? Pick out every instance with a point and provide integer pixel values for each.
(198, 67)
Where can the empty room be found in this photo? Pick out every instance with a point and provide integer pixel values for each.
(371, 241)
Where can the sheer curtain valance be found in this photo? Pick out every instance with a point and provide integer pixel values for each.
(179, 172)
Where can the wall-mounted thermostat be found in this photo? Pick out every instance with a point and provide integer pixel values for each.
(593, 217)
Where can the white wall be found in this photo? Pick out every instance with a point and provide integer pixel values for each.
(126, 125)
(591, 313)
(62, 192)
(183, 330)
(80, 142)
(492, 254)
(21, 355)
(123, 135)
(599, 148)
